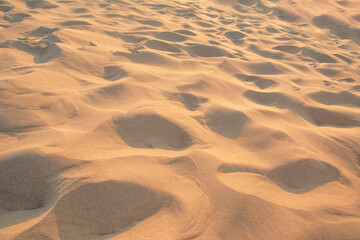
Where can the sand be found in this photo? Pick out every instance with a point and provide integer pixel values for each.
(202, 119)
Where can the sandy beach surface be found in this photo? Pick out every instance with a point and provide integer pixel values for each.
(202, 119)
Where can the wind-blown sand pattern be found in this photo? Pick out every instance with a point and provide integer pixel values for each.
(202, 119)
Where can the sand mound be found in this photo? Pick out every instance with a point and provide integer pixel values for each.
(16, 121)
(153, 23)
(324, 117)
(337, 27)
(206, 51)
(184, 166)
(42, 53)
(296, 177)
(356, 17)
(162, 46)
(288, 48)
(260, 82)
(42, 31)
(5, 6)
(113, 73)
(303, 175)
(235, 36)
(329, 72)
(16, 17)
(226, 122)
(170, 36)
(127, 37)
(342, 98)
(150, 58)
(118, 94)
(286, 15)
(231, 168)
(98, 209)
(80, 10)
(43, 111)
(39, 4)
(26, 179)
(248, 2)
(23, 182)
(186, 32)
(75, 22)
(279, 100)
(318, 56)
(190, 101)
(152, 131)
(265, 53)
(265, 68)
(325, 21)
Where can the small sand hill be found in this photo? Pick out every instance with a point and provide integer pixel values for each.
(203, 119)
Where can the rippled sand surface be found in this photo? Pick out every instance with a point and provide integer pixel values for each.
(203, 119)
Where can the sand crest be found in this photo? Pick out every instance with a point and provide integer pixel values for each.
(203, 119)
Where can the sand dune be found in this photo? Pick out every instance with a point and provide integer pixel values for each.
(203, 119)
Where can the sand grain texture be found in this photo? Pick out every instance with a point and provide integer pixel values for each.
(203, 119)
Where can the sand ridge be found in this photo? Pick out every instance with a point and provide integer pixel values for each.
(203, 119)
